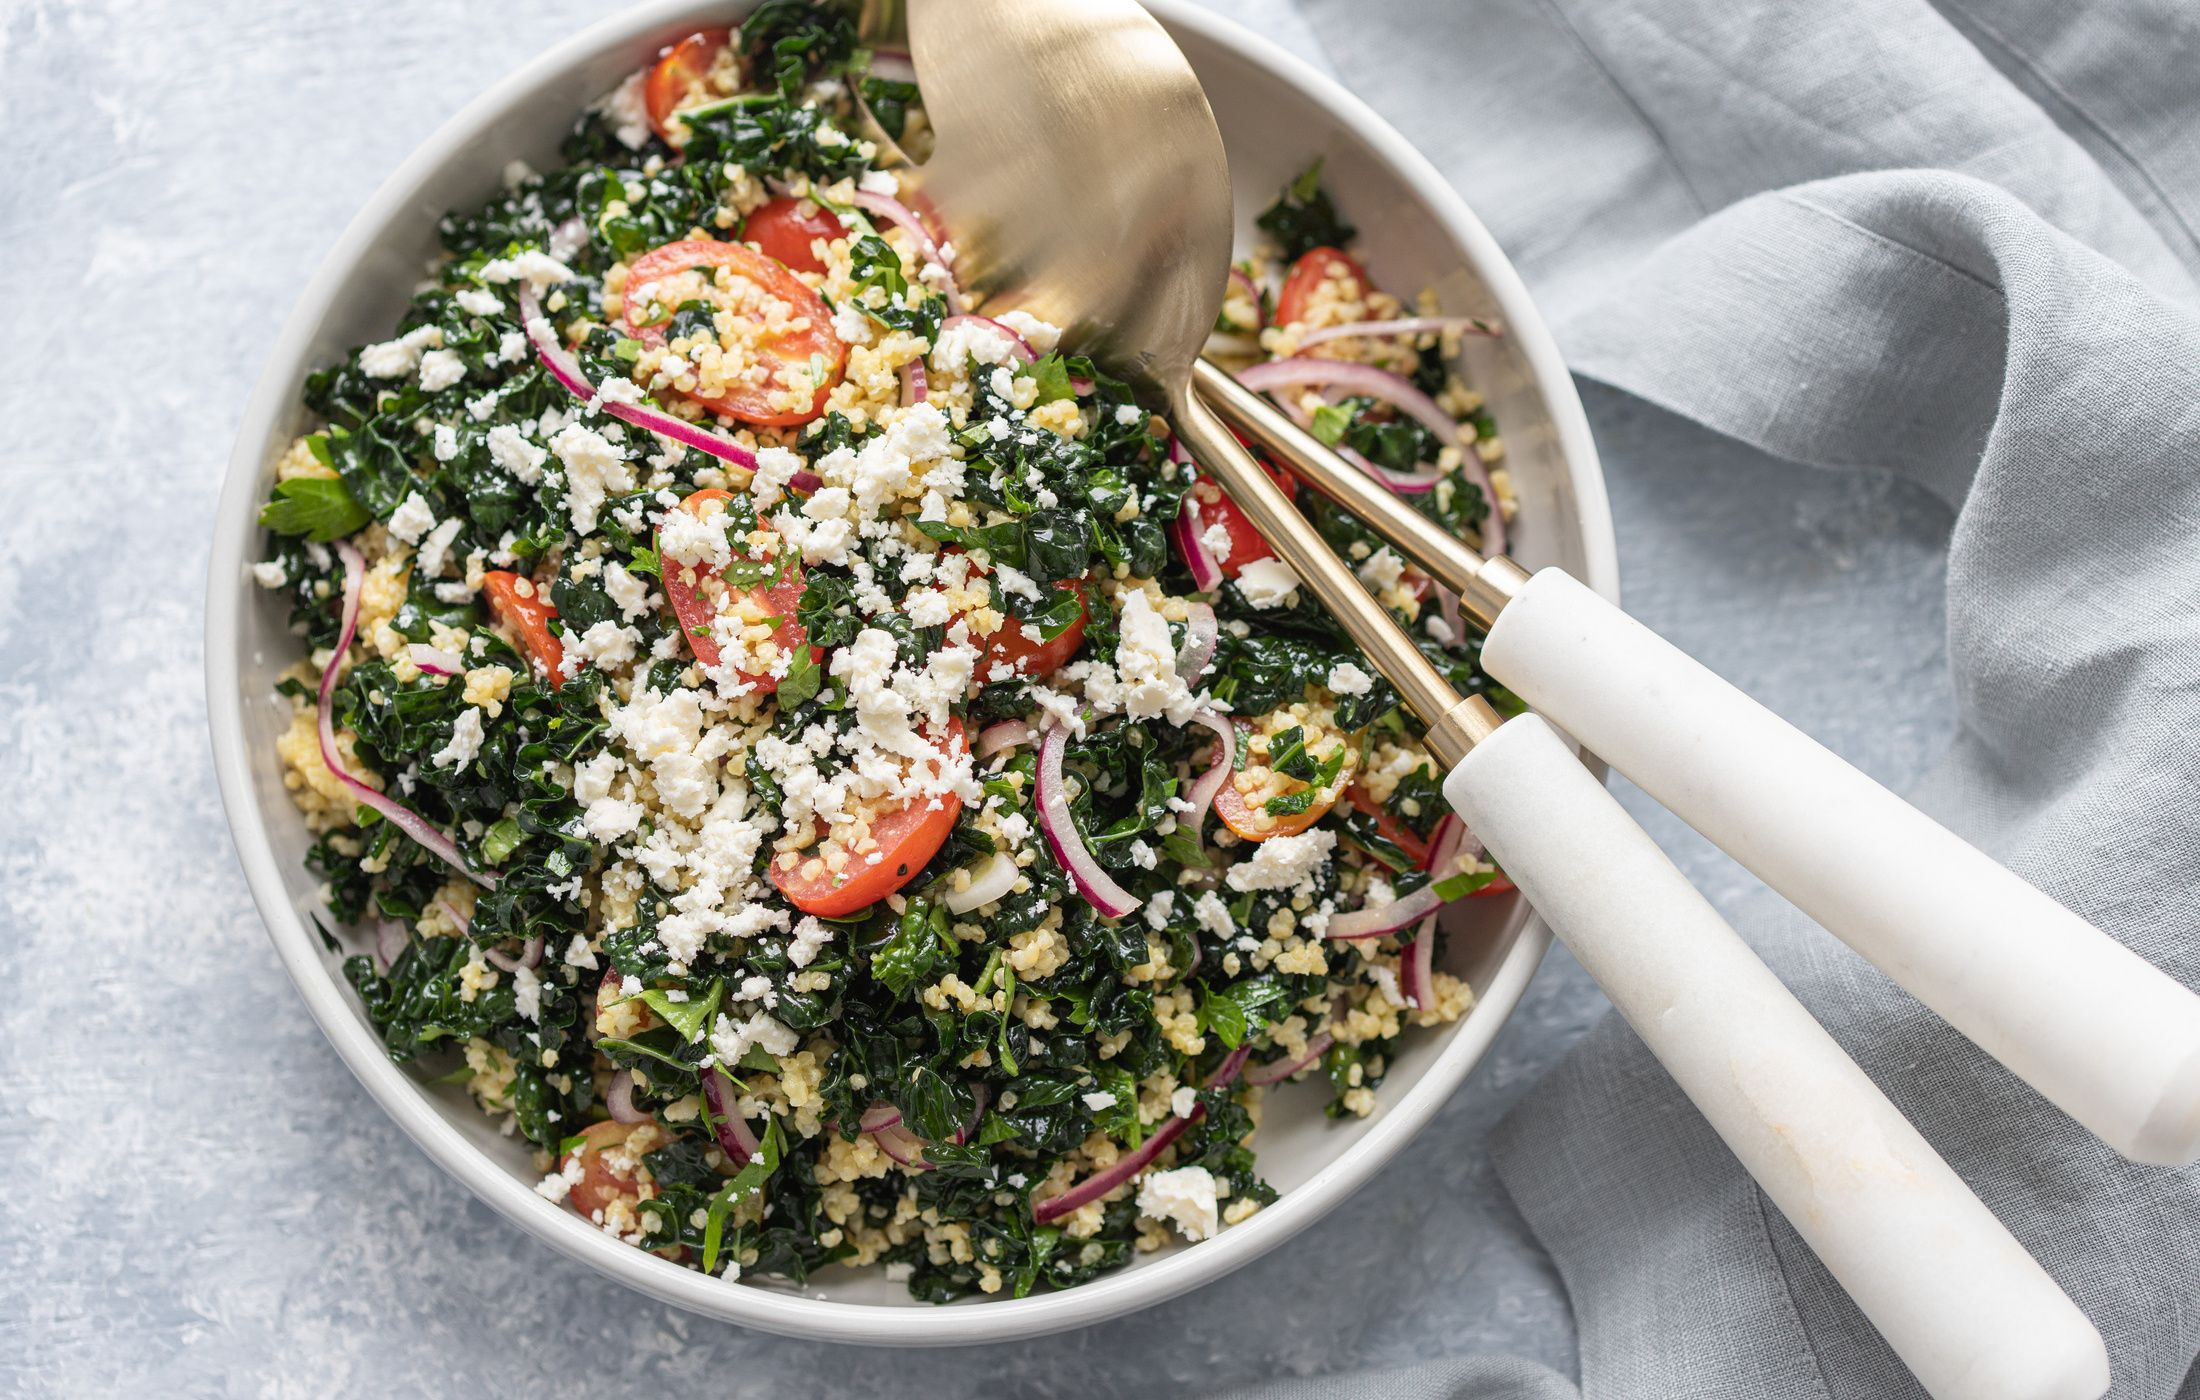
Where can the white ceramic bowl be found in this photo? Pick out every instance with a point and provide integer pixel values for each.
(1276, 114)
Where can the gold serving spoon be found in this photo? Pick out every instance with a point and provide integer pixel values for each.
(1080, 172)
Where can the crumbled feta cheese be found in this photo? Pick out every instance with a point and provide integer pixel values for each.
(629, 594)
(412, 519)
(605, 644)
(628, 110)
(435, 550)
(1283, 862)
(465, 745)
(1041, 336)
(1382, 569)
(1184, 1197)
(1158, 908)
(594, 468)
(1267, 583)
(478, 301)
(1348, 679)
(1129, 415)
(730, 1040)
(1183, 1101)
(1099, 1101)
(1213, 915)
(270, 574)
(394, 359)
(440, 369)
(513, 452)
(534, 267)
(1145, 663)
(446, 442)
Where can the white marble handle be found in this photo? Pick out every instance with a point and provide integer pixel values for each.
(1959, 1300)
(2105, 1035)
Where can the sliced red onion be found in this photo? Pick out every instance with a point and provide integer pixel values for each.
(894, 65)
(1279, 1070)
(1231, 1064)
(1060, 829)
(1418, 482)
(1204, 788)
(459, 921)
(734, 1137)
(530, 955)
(1452, 836)
(405, 819)
(1003, 736)
(1101, 1182)
(618, 1096)
(877, 1116)
(1392, 389)
(903, 1146)
(568, 238)
(1186, 530)
(987, 883)
(1386, 918)
(805, 482)
(1016, 342)
(564, 368)
(1201, 632)
(1447, 607)
(1244, 282)
(389, 941)
(913, 385)
(435, 660)
(1080, 387)
(1416, 967)
(1408, 325)
(904, 218)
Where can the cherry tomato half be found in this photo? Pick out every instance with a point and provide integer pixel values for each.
(520, 606)
(1316, 266)
(1239, 815)
(1246, 542)
(698, 593)
(1010, 647)
(789, 229)
(601, 1183)
(793, 355)
(1396, 832)
(907, 838)
(680, 68)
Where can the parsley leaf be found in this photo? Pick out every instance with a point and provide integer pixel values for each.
(1303, 218)
(317, 507)
(688, 1017)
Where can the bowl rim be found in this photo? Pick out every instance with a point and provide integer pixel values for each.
(790, 1313)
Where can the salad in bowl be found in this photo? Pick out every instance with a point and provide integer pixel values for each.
(814, 758)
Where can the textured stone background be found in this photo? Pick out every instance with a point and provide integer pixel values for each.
(202, 1201)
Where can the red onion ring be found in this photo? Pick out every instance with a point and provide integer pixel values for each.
(1240, 278)
(1387, 918)
(1101, 1182)
(389, 941)
(805, 482)
(1278, 1070)
(618, 1097)
(435, 660)
(1447, 607)
(1016, 342)
(903, 1146)
(1204, 788)
(1201, 632)
(1231, 1064)
(403, 817)
(877, 1116)
(1185, 530)
(894, 65)
(530, 955)
(568, 238)
(1098, 888)
(988, 883)
(1003, 736)
(980, 1096)
(1397, 391)
(1414, 483)
(904, 218)
(734, 1137)
(1407, 325)
(564, 368)
(1416, 966)
(913, 385)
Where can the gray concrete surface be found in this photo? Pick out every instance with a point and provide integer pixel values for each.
(202, 1201)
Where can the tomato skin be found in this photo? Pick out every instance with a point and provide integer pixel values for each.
(695, 607)
(908, 838)
(1246, 543)
(782, 230)
(600, 1184)
(1500, 885)
(1230, 805)
(678, 68)
(1308, 273)
(791, 350)
(527, 614)
(1416, 847)
(1009, 646)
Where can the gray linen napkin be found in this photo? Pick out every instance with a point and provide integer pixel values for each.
(1958, 243)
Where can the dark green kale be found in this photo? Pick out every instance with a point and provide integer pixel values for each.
(1304, 218)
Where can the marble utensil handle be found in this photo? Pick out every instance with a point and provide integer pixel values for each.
(2106, 1036)
(1960, 1301)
